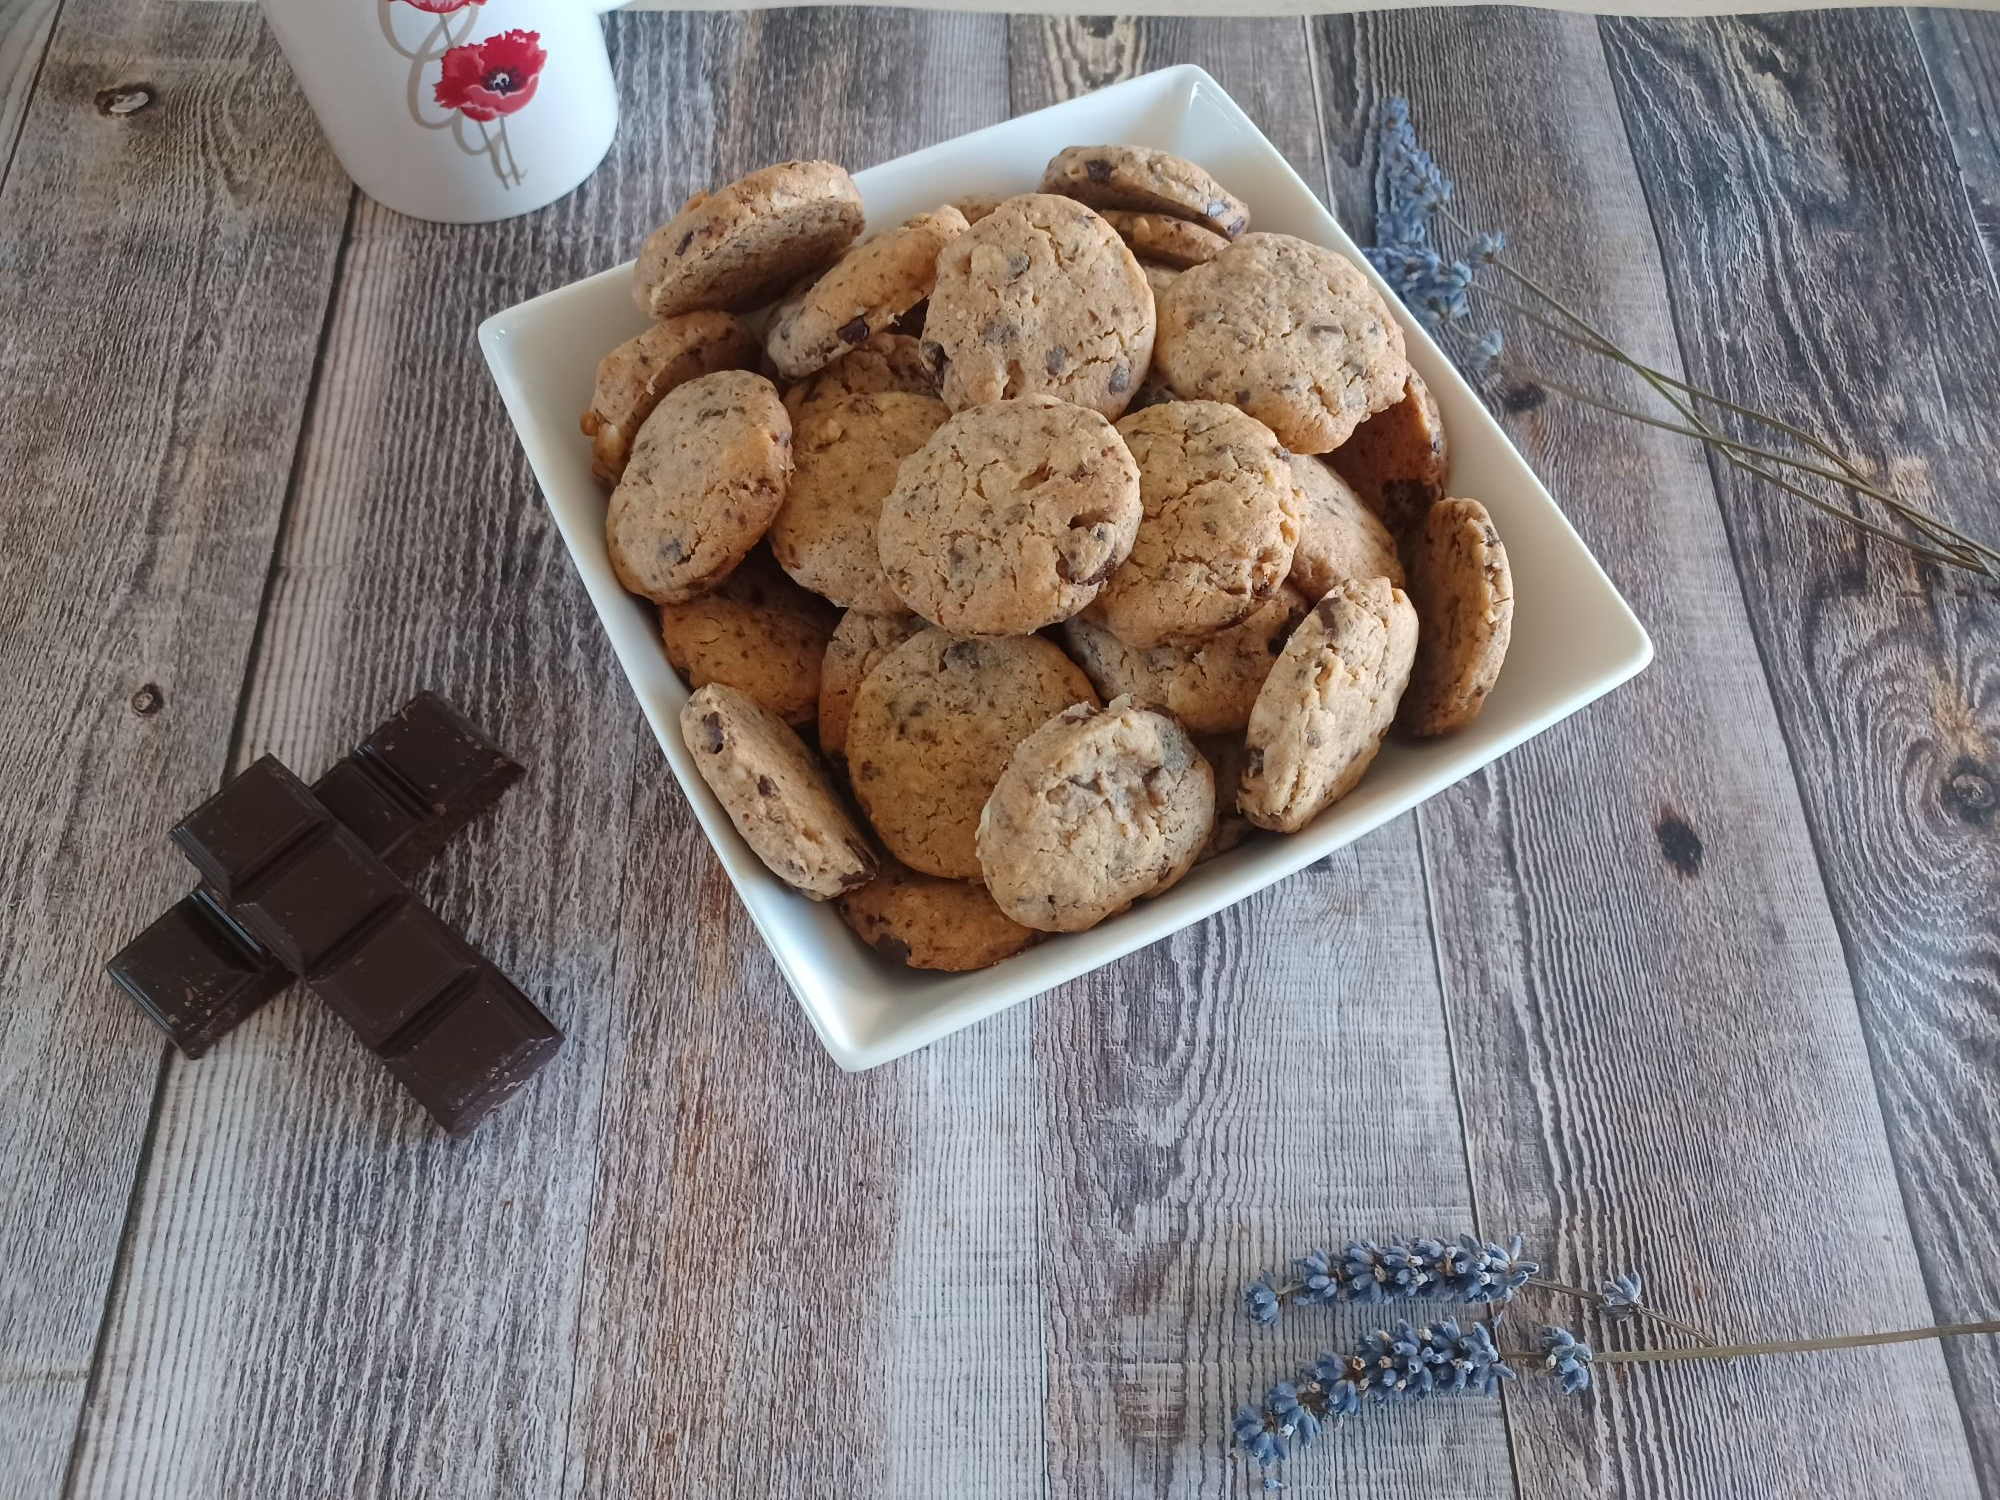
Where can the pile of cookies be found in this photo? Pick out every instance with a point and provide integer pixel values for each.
(1082, 531)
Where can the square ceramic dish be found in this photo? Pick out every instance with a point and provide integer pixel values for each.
(1574, 637)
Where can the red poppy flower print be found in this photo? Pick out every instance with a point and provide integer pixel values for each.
(485, 80)
(442, 7)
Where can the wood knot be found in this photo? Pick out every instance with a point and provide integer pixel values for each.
(148, 701)
(124, 100)
(1969, 791)
(1680, 845)
(1523, 397)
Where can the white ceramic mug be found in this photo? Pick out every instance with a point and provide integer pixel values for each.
(456, 110)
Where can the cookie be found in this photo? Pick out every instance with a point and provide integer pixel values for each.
(887, 362)
(922, 922)
(1146, 181)
(1165, 240)
(933, 727)
(632, 379)
(1209, 686)
(775, 793)
(1221, 523)
(1011, 517)
(861, 294)
(845, 453)
(1039, 297)
(1397, 461)
(1158, 277)
(759, 633)
(1321, 714)
(976, 206)
(1098, 807)
(1289, 331)
(858, 642)
(1339, 537)
(1464, 596)
(705, 478)
(1225, 754)
(740, 246)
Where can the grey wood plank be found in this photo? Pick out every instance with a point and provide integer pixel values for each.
(1659, 1052)
(1961, 50)
(25, 29)
(159, 335)
(1187, 1090)
(1859, 302)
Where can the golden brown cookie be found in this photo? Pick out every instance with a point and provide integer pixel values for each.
(743, 244)
(932, 729)
(1010, 518)
(887, 362)
(758, 632)
(976, 206)
(861, 294)
(1040, 297)
(775, 793)
(1288, 330)
(858, 642)
(1464, 596)
(1165, 240)
(1147, 181)
(845, 454)
(632, 379)
(1221, 523)
(705, 478)
(1339, 537)
(1098, 807)
(926, 923)
(1398, 461)
(1321, 714)
(1159, 278)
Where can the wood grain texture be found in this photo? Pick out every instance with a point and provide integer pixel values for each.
(1830, 266)
(25, 29)
(1658, 1044)
(1961, 50)
(1198, 1122)
(162, 286)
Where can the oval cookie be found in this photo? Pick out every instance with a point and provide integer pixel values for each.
(922, 922)
(1147, 181)
(743, 244)
(633, 378)
(861, 294)
(1398, 461)
(1463, 591)
(1339, 537)
(759, 633)
(858, 642)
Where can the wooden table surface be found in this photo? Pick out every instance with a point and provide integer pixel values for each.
(1705, 982)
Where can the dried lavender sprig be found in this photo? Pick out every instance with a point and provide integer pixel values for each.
(1797, 1346)
(1472, 1271)
(1622, 1297)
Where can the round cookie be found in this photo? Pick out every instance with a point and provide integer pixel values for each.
(705, 478)
(740, 246)
(862, 294)
(933, 727)
(887, 362)
(1464, 596)
(1162, 238)
(1209, 686)
(757, 632)
(1221, 524)
(845, 454)
(1339, 537)
(1321, 714)
(1097, 808)
(775, 793)
(1146, 181)
(1011, 517)
(632, 379)
(922, 922)
(858, 642)
(1289, 331)
(1225, 754)
(1397, 461)
(1039, 297)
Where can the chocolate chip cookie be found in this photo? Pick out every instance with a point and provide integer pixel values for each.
(1164, 240)
(1146, 181)
(740, 246)
(1039, 297)
(887, 362)
(775, 793)
(1011, 517)
(1339, 537)
(1288, 330)
(1398, 460)
(705, 478)
(922, 922)
(1464, 596)
(632, 379)
(933, 727)
(757, 632)
(845, 454)
(1097, 808)
(1321, 714)
(861, 294)
(1221, 523)
(858, 642)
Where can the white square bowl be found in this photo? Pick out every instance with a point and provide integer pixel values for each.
(1574, 637)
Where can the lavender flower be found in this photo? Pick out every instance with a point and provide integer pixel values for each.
(1316, 1280)
(1398, 1273)
(1623, 1295)
(1412, 190)
(1260, 1300)
(1487, 1273)
(1569, 1357)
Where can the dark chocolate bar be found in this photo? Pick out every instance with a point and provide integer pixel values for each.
(405, 791)
(442, 1018)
